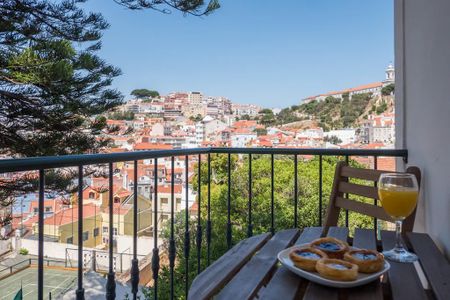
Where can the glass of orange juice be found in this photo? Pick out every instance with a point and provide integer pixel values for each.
(398, 193)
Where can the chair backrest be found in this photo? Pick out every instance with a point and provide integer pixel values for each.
(343, 187)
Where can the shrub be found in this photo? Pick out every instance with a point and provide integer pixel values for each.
(23, 251)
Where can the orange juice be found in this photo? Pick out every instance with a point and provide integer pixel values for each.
(398, 202)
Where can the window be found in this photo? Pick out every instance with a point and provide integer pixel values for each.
(164, 217)
(36, 210)
(178, 200)
(164, 200)
(85, 235)
(114, 231)
(48, 208)
(96, 230)
(91, 195)
(116, 200)
(69, 240)
(105, 229)
(105, 240)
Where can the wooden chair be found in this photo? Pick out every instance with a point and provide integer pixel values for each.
(342, 187)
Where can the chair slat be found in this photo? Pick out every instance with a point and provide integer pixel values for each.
(213, 278)
(402, 275)
(365, 174)
(246, 283)
(363, 208)
(285, 284)
(357, 189)
(434, 264)
(365, 238)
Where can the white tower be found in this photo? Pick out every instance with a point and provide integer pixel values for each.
(390, 74)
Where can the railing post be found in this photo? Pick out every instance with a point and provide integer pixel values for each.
(375, 221)
(208, 222)
(111, 282)
(155, 255)
(172, 229)
(229, 229)
(134, 262)
(80, 290)
(320, 189)
(272, 195)
(346, 196)
(187, 238)
(250, 224)
(41, 235)
(295, 191)
(199, 224)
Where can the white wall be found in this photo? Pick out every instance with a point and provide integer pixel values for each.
(423, 106)
(144, 244)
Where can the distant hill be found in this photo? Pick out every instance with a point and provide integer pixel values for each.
(337, 113)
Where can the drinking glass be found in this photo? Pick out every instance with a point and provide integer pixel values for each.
(398, 194)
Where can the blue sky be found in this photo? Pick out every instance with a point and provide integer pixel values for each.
(266, 52)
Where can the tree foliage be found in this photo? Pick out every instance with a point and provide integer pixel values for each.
(336, 113)
(52, 83)
(192, 7)
(388, 90)
(144, 93)
(332, 139)
(118, 115)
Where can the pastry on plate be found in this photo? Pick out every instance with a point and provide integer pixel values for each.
(337, 269)
(368, 261)
(334, 248)
(306, 258)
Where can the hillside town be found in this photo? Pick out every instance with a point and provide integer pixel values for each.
(178, 120)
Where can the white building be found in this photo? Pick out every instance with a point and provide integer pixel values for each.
(374, 88)
(241, 137)
(195, 98)
(347, 136)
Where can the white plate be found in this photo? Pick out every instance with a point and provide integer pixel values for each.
(362, 279)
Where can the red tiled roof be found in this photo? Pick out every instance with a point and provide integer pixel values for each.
(66, 216)
(167, 189)
(151, 146)
(55, 204)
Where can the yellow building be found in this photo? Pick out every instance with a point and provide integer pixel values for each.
(63, 225)
(123, 215)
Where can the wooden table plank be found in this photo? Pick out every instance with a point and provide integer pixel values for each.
(285, 284)
(365, 238)
(213, 278)
(434, 264)
(246, 283)
(340, 233)
(317, 291)
(403, 279)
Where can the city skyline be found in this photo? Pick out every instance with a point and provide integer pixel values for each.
(352, 49)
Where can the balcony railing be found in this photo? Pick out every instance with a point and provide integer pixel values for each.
(40, 164)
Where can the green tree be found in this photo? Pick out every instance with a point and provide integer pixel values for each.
(382, 108)
(144, 93)
(118, 115)
(260, 131)
(332, 139)
(266, 117)
(388, 90)
(197, 118)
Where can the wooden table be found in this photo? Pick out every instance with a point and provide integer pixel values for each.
(250, 270)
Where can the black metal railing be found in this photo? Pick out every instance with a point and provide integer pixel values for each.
(40, 164)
